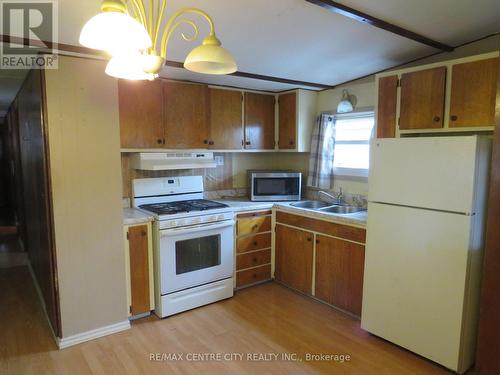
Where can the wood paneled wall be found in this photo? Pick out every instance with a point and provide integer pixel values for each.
(219, 178)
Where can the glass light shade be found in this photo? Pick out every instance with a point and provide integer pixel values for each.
(210, 58)
(114, 32)
(129, 67)
(345, 105)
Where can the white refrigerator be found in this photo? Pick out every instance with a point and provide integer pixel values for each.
(425, 235)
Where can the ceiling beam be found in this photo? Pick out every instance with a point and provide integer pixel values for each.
(356, 15)
(46, 45)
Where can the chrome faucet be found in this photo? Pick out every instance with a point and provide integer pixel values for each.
(338, 198)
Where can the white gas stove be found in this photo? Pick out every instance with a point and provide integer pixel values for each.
(193, 243)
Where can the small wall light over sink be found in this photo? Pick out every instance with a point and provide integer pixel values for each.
(347, 103)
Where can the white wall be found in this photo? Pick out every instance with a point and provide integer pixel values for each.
(84, 148)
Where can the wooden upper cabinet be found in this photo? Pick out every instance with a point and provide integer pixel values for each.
(339, 273)
(422, 99)
(226, 119)
(185, 115)
(259, 121)
(473, 93)
(141, 124)
(387, 106)
(287, 121)
(294, 258)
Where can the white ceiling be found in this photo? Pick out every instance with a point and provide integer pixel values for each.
(296, 40)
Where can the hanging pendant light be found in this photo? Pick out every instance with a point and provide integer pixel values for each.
(114, 31)
(345, 105)
(210, 58)
(133, 42)
(129, 66)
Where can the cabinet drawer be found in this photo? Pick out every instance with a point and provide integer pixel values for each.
(253, 259)
(253, 225)
(326, 227)
(253, 275)
(250, 243)
(255, 214)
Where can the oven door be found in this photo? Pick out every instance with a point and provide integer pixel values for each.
(196, 255)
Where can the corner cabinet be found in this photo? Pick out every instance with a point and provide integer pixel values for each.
(253, 248)
(296, 119)
(139, 269)
(259, 121)
(451, 96)
(322, 259)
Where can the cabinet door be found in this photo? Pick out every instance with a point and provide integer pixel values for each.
(294, 257)
(339, 273)
(473, 94)
(259, 121)
(386, 109)
(287, 121)
(185, 110)
(140, 106)
(139, 269)
(226, 122)
(422, 99)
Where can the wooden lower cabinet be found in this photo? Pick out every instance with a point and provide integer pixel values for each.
(253, 248)
(139, 268)
(294, 258)
(339, 273)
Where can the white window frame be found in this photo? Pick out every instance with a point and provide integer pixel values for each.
(354, 172)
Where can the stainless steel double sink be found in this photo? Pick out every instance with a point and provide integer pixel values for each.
(321, 206)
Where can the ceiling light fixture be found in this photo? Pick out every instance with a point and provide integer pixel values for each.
(138, 46)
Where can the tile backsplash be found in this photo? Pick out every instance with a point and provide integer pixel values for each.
(357, 200)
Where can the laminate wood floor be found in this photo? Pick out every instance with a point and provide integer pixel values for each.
(264, 319)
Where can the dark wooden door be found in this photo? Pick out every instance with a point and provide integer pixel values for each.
(259, 121)
(488, 343)
(422, 99)
(139, 269)
(36, 193)
(387, 105)
(287, 121)
(226, 119)
(473, 94)
(339, 273)
(294, 258)
(141, 122)
(185, 115)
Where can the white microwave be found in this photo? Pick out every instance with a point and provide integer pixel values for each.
(274, 185)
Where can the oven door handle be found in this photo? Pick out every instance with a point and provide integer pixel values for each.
(194, 229)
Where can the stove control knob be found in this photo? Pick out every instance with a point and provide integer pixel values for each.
(220, 217)
(180, 223)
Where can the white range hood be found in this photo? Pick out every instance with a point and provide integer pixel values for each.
(160, 161)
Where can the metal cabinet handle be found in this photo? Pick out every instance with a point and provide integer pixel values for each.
(437, 118)
(454, 118)
(248, 143)
(159, 141)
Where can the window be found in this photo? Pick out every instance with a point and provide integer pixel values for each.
(352, 143)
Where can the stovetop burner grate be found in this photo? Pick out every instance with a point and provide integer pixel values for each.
(171, 208)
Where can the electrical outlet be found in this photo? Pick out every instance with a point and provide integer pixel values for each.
(219, 160)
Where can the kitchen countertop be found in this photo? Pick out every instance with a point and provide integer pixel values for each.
(134, 216)
(243, 204)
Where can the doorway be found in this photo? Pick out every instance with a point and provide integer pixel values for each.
(26, 236)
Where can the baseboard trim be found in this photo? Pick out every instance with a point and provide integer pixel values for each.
(66, 342)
